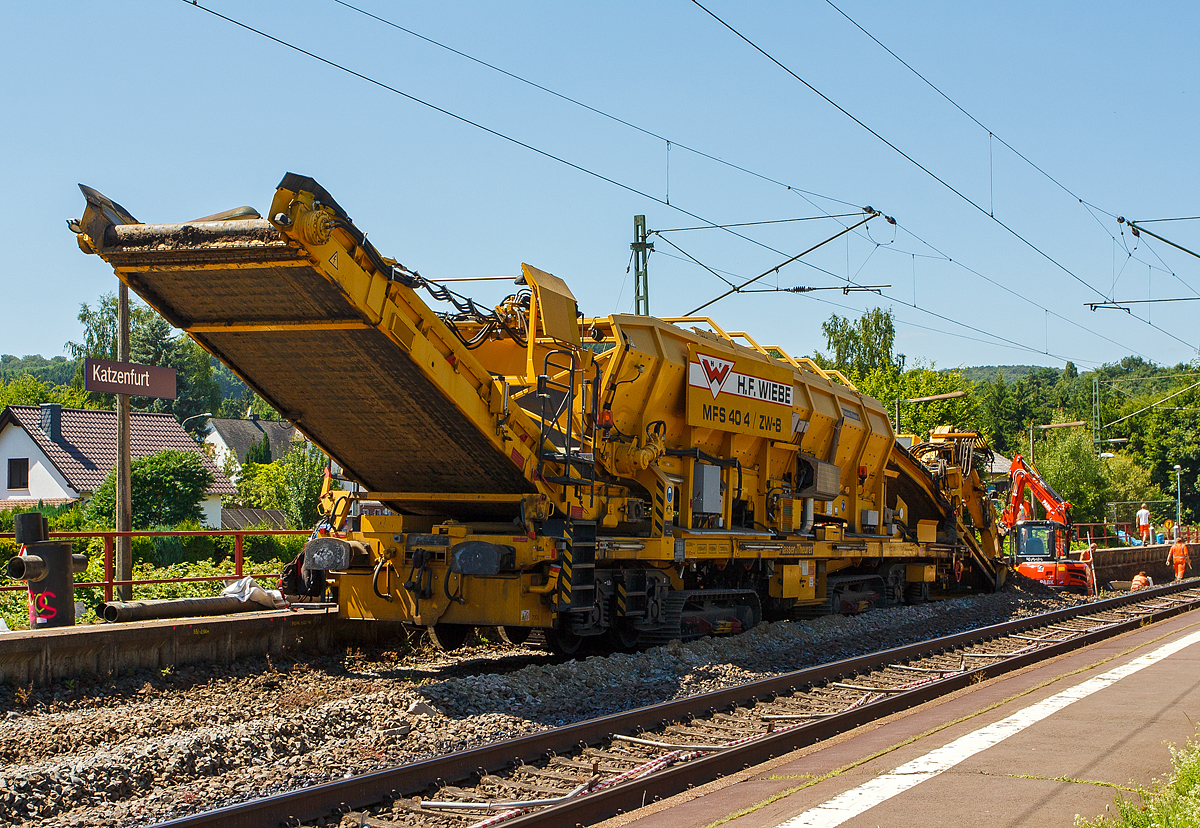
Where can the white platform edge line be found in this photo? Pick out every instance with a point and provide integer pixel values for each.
(882, 788)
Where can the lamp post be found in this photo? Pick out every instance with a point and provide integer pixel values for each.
(947, 396)
(1178, 497)
(187, 420)
(1032, 499)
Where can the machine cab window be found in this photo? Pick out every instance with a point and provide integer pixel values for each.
(1038, 539)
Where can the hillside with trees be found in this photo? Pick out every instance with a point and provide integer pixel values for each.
(1149, 416)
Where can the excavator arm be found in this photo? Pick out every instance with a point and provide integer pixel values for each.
(1024, 476)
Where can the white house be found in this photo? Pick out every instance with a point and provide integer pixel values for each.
(231, 439)
(57, 455)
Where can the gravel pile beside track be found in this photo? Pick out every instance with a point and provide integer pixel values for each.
(150, 747)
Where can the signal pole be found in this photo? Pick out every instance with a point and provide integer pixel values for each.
(641, 280)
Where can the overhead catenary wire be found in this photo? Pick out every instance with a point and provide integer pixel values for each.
(551, 156)
(777, 267)
(589, 108)
(997, 339)
(799, 191)
(1088, 206)
(991, 134)
(1020, 295)
(899, 151)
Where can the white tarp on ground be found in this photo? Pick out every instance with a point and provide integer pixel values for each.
(247, 589)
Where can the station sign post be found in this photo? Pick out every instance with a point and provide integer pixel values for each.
(126, 379)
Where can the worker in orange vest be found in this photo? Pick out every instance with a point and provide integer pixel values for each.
(1088, 558)
(1140, 581)
(1179, 558)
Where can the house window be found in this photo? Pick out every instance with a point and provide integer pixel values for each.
(18, 473)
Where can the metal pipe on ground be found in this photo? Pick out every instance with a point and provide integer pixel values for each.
(116, 611)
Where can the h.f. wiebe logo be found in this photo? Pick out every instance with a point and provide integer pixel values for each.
(716, 371)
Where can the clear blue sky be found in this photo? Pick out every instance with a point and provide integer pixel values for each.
(177, 114)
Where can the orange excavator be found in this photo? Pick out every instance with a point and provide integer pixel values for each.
(1039, 548)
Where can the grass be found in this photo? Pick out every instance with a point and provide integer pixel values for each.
(1174, 803)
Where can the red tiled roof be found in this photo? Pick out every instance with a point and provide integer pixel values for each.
(88, 445)
(11, 503)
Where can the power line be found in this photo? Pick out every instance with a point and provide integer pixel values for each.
(998, 340)
(491, 131)
(751, 223)
(761, 176)
(899, 151)
(588, 107)
(957, 106)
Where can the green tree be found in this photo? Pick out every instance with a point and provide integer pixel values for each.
(257, 487)
(863, 345)
(1068, 461)
(998, 415)
(298, 485)
(259, 452)
(291, 484)
(1129, 481)
(100, 329)
(151, 342)
(167, 490)
(25, 389)
(888, 384)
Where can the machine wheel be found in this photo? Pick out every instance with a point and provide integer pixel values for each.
(916, 593)
(563, 641)
(624, 637)
(515, 636)
(449, 636)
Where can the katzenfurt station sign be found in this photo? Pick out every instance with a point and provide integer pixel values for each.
(129, 378)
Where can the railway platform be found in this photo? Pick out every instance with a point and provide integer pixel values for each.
(1032, 748)
(43, 656)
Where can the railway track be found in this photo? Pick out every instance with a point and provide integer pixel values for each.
(591, 770)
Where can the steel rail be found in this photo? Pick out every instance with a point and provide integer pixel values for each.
(321, 800)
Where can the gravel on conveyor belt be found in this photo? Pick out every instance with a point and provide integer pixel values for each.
(152, 746)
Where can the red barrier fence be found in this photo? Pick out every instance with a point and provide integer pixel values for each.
(1106, 534)
(108, 583)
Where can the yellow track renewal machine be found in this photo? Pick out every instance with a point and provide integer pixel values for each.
(631, 477)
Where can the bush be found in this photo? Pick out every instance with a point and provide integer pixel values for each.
(167, 490)
(292, 483)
